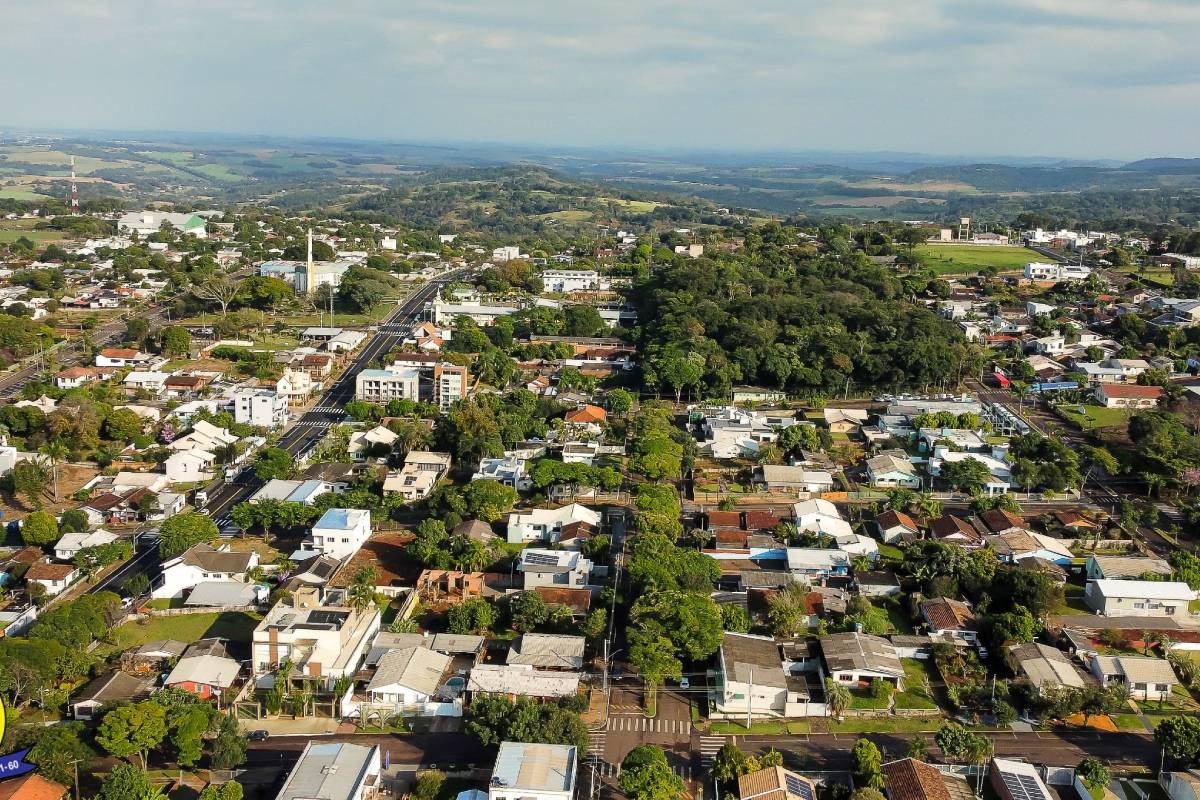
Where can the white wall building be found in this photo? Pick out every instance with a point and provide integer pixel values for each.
(340, 532)
(534, 772)
(261, 408)
(544, 524)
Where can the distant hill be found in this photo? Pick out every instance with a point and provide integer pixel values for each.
(1165, 166)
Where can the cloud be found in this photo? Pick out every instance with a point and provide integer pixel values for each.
(1007, 76)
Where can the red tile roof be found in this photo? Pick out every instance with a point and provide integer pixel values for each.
(909, 779)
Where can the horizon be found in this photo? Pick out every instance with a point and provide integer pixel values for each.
(1074, 80)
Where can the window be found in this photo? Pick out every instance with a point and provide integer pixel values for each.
(1139, 605)
(1161, 687)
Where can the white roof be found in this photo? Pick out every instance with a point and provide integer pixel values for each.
(522, 679)
(209, 670)
(1149, 590)
(815, 506)
(799, 557)
(78, 541)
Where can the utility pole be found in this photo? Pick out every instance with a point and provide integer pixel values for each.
(750, 702)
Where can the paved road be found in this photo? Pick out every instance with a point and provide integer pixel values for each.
(425, 748)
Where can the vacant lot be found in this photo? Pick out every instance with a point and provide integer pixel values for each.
(236, 626)
(1089, 417)
(962, 259)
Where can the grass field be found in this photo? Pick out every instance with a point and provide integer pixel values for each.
(20, 193)
(961, 259)
(237, 626)
(219, 172)
(38, 237)
(634, 206)
(1095, 416)
(568, 215)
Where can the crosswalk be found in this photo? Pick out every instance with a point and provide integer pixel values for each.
(328, 410)
(313, 423)
(644, 724)
(709, 746)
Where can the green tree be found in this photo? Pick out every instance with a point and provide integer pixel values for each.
(133, 730)
(527, 610)
(181, 532)
(122, 425)
(734, 618)
(1094, 774)
(619, 402)
(176, 341)
(692, 621)
(1179, 736)
(645, 775)
(471, 616)
(837, 697)
(56, 748)
(867, 764)
(729, 763)
(126, 782)
(40, 529)
(488, 500)
(654, 657)
(428, 783)
(966, 475)
(29, 481)
(229, 746)
(273, 462)
(188, 726)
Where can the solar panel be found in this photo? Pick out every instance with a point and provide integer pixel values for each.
(1023, 787)
(798, 787)
(541, 559)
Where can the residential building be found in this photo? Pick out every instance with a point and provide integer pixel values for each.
(108, 690)
(377, 441)
(508, 252)
(451, 383)
(948, 617)
(295, 386)
(734, 432)
(521, 680)
(892, 470)
(1181, 785)
(52, 577)
(1017, 780)
(1059, 273)
(910, 779)
(534, 772)
(750, 680)
(845, 420)
(1126, 567)
(553, 568)
(546, 524)
(1147, 678)
(740, 395)
(895, 526)
(407, 677)
(1045, 667)
(146, 223)
(1017, 546)
(66, 548)
(858, 659)
(295, 491)
(190, 466)
(1120, 598)
(340, 532)
(204, 675)
(322, 641)
(384, 385)
(1128, 396)
(780, 478)
(815, 565)
(334, 771)
(1001, 472)
(509, 470)
(444, 314)
(262, 408)
(820, 517)
(201, 563)
(775, 783)
(565, 281)
(548, 651)
(419, 475)
(33, 787)
(149, 381)
(872, 583)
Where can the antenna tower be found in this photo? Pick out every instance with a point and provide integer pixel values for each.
(74, 189)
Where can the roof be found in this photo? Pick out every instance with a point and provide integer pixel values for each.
(548, 650)
(535, 767)
(587, 413)
(1137, 669)
(221, 593)
(950, 525)
(114, 687)
(210, 559)
(208, 670)
(330, 770)
(885, 463)
(1126, 391)
(781, 473)
(725, 519)
(1148, 590)
(946, 614)
(1130, 566)
(522, 680)
(163, 647)
(892, 518)
(756, 658)
(475, 529)
(1021, 779)
(343, 519)
(49, 572)
(416, 668)
(775, 783)
(32, 787)
(1017, 543)
(876, 578)
(910, 779)
(1045, 665)
(860, 651)
(998, 520)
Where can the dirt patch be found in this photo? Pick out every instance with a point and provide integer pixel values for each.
(71, 477)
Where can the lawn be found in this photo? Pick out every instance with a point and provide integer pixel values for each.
(236, 626)
(865, 701)
(884, 725)
(218, 172)
(889, 552)
(1094, 416)
(1127, 722)
(961, 259)
(727, 728)
(633, 206)
(1073, 600)
(917, 682)
(37, 237)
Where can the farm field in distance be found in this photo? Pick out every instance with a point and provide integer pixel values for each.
(963, 259)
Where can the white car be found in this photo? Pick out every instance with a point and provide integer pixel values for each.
(684, 683)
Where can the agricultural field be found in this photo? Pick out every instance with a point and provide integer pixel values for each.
(964, 259)
(20, 193)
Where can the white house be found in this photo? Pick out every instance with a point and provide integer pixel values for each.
(385, 385)
(820, 517)
(545, 524)
(511, 470)
(890, 470)
(534, 772)
(857, 659)
(816, 564)
(407, 676)
(1001, 473)
(750, 679)
(1147, 678)
(417, 478)
(340, 532)
(262, 408)
(52, 577)
(1117, 598)
(566, 281)
(189, 466)
(66, 548)
(1039, 271)
(362, 442)
(146, 223)
(327, 641)
(121, 357)
(334, 771)
(199, 564)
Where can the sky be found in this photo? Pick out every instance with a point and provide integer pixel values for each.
(1069, 78)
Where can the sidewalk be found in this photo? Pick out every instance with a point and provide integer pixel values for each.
(305, 726)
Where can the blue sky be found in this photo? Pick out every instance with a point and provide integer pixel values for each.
(1078, 78)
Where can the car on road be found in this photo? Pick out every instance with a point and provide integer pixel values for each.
(258, 735)
(685, 683)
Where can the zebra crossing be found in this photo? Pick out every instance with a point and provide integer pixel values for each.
(328, 410)
(313, 423)
(644, 724)
(709, 746)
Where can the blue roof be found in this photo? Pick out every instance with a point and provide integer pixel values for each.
(305, 491)
(342, 519)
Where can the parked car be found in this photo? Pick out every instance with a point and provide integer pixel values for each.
(258, 735)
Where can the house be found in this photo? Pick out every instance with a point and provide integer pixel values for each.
(577, 599)
(587, 415)
(580, 452)
(32, 787)
(110, 689)
(858, 659)
(340, 532)
(740, 395)
(892, 471)
(998, 521)
(553, 568)
(780, 478)
(820, 517)
(775, 783)
(202, 562)
(1131, 396)
(1119, 598)
(1147, 678)
(296, 385)
(815, 565)
(204, 675)
(548, 651)
(417, 478)
(845, 420)
(734, 433)
(152, 658)
(190, 466)
(376, 441)
(121, 357)
(510, 470)
(956, 530)
(521, 680)
(546, 524)
(151, 382)
(52, 577)
(325, 641)
(74, 377)
(66, 548)
(295, 491)
(408, 676)
(997, 466)
(1043, 666)
(750, 679)
(947, 617)
(1126, 567)
(475, 529)
(910, 779)
(147, 223)
(334, 771)
(534, 772)
(1019, 545)
(896, 526)
(262, 408)
(226, 594)
(385, 385)
(1018, 780)
(872, 583)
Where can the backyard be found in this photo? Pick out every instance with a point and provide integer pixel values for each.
(1089, 417)
(236, 626)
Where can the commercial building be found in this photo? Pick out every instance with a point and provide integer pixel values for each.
(334, 771)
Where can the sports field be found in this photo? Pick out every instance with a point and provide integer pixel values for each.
(963, 259)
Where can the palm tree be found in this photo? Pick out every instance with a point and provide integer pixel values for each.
(837, 697)
(56, 451)
(927, 507)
